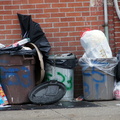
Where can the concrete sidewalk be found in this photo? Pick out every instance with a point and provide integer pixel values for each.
(106, 110)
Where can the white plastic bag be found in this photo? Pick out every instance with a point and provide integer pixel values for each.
(95, 44)
(116, 91)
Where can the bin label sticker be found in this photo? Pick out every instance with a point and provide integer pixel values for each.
(67, 81)
(97, 81)
(11, 74)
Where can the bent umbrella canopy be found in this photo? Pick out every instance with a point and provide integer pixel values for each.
(32, 30)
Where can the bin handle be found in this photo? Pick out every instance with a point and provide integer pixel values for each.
(27, 58)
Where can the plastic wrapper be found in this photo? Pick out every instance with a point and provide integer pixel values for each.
(106, 65)
(116, 91)
(3, 98)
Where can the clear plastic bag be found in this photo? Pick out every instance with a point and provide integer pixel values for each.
(106, 65)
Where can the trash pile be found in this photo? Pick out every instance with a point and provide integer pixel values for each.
(19, 61)
(98, 66)
(24, 65)
(22, 69)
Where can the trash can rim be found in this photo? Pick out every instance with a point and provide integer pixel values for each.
(62, 56)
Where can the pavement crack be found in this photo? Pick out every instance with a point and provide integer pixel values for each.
(61, 114)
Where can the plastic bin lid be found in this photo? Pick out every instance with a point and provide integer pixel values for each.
(47, 92)
(62, 56)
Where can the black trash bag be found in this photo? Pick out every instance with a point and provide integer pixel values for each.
(69, 63)
(16, 51)
(32, 30)
(117, 72)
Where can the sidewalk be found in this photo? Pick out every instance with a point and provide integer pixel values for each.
(102, 110)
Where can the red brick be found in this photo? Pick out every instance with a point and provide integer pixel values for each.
(2, 27)
(85, 14)
(100, 17)
(117, 23)
(51, 1)
(67, 29)
(16, 21)
(35, 1)
(38, 20)
(2, 37)
(36, 11)
(55, 50)
(68, 49)
(1, 7)
(73, 14)
(94, 18)
(75, 43)
(74, 4)
(12, 26)
(27, 6)
(117, 29)
(50, 10)
(6, 22)
(5, 2)
(51, 29)
(20, 11)
(74, 34)
(52, 20)
(97, 23)
(57, 14)
(4, 12)
(49, 35)
(77, 23)
(46, 15)
(46, 25)
(54, 39)
(59, 5)
(13, 36)
(16, 31)
(67, 38)
(79, 1)
(67, 19)
(60, 34)
(80, 18)
(66, 0)
(86, 3)
(117, 34)
(61, 44)
(5, 32)
(10, 17)
(43, 6)
(61, 24)
(67, 10)
(11, 7)
(20, 2)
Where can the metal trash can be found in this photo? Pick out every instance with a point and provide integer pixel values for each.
(98, 79)
(17, 75)
(97, 85)
(60, 68)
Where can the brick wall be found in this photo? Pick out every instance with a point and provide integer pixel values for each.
(62, 21)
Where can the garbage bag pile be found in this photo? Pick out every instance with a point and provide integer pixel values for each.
(97, 52)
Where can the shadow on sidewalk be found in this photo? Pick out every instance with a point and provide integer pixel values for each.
(58, 105)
